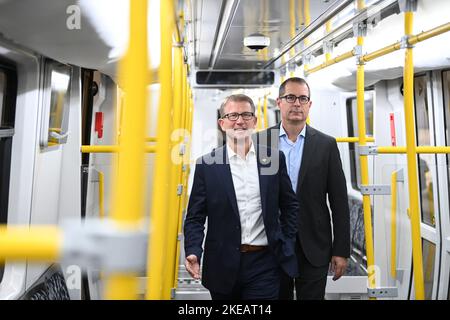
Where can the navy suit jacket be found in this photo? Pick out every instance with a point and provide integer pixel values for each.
(213, 197)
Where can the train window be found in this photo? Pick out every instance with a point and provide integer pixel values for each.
(425, 161)
(352, 126)
(56, 103)
(8, 92)
(429, 254)
(446, 88)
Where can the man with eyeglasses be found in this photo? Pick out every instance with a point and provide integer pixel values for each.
(315, 170)
(251, 210)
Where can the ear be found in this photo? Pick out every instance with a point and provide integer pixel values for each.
(220, 122)
(278, 102)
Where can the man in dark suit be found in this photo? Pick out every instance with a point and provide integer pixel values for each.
(245, 193)
(315, 169)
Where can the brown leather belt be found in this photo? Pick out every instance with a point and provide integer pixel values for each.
(251, 248)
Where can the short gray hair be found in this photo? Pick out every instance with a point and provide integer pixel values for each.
(236, 98)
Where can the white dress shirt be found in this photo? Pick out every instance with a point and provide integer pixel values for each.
(246, 186)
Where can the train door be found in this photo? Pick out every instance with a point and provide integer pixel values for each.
(442, 91)
(427, 104)
(8, 92)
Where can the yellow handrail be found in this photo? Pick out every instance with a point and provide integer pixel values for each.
(176, 174)
(412, 162)
(156, 260)
(353, 139)
(38, 243)
(418, 149)
(128, 187)
(111, 149)
(150, 139)
(394, 224)
(332, 61)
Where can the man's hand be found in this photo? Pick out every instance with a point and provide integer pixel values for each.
(338, 266)
(192, 266)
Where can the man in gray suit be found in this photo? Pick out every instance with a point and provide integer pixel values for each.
(315, 169)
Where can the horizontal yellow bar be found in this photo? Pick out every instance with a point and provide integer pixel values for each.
(353, 139)
(39, 243)
(332, 61)
(420, 149)
(412, 40)
(381, 52)
(150, 139)
(429, 34)
(110, 149)
(430, 149)
(391, 149)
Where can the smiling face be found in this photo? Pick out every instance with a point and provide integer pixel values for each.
(239, 129)
(295, 112)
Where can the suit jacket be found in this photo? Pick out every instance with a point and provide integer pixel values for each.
(320, 175)
(213, 197)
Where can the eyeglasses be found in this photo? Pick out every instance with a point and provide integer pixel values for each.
(233, 116)
(292, 97)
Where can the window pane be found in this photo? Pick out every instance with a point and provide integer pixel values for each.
(446, 89)
(429, 250)
(425, 161)
(2, 94)
(60, 79)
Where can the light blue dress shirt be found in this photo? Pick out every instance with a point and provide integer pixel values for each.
(293, 152)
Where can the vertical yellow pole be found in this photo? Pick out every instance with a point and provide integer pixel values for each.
(266, 116)
(394, 225)
(411, 157)
(183, 175)
(156, 263)
(128, 189)
(258, 115)
(175, 201)
(364, 164)
(292, 29)
(328, 30)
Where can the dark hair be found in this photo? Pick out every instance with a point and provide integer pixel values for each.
(236, 98)
(298, 80)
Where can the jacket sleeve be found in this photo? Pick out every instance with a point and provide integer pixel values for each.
(338, 198)
(288, 202)
(194, 224)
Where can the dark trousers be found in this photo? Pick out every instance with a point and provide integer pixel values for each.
(311, 283)
(258, 279)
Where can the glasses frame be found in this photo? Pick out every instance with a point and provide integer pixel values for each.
(299, 98)
(239, 115)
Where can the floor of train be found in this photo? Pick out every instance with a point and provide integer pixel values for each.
(190, 289)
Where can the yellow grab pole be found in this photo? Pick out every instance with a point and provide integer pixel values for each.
(128, 188)
(364, 164)
(328, 30)
(111, 149)
(184, 104)
(391, 149)
(419, 149)
(258, 115)
(429, 34)
(330, 61)
(38, 243)
(156, 262)
(353, 139)
(175, 198)
(394, 224)
(411, 157)
(292, 29)
(150, 139)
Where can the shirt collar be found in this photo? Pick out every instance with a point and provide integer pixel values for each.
(283, 132)
(231, 153)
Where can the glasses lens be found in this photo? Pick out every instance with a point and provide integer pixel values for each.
(291, 98)
(304, 99)
(247, 115)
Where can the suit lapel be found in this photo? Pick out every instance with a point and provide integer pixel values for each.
(308, 152)
(224, 173)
